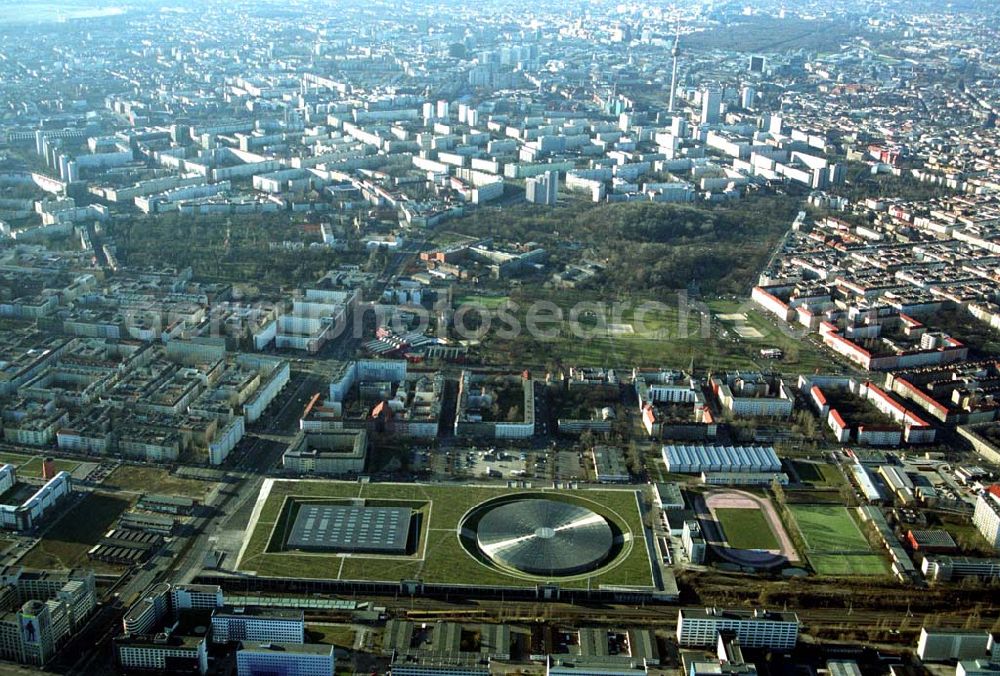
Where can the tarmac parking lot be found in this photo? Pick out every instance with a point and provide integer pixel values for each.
(499, 463)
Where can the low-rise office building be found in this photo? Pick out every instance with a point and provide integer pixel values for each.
(257, 625)
(327, 452)
(755, 628)
(287, 659)
(939, 645)
(162, 653)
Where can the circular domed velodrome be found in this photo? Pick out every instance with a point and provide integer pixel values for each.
(540, 536)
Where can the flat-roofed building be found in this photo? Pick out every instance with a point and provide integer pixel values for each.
(344, 528)
(948, 568)
(729, 662)
(258, 625)
(669, 496)
(931, 541)
(605, 651)
(287, 659)
(755, 628)
(743, 478)
(327, 452)
(430, 666)
(843, 668)
(980, 667)
(148, 611)
(148, 523)
(694, 459)
(753, 394)
(162, 653)
(195, 597)
(609, 465)
(938, 645)
(40, 504)
(694, 541)
(987, 515)
(168, 504)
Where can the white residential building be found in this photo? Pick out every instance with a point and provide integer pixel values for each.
(987, 515)
(543, 189)
(26, 515)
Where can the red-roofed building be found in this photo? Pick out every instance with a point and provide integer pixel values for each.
(839, 427)
(931, 542)
(771, 303)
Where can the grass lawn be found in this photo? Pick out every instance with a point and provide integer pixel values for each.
(446, 238)
(746, 529)
(440, 556)
(489, 302)
(34, 466)
(848, 564)
(831, 475)
(829, 528)
(31, 465)
(834, 543)
(143, 479)
(66, 542)
(15, 459)
(340, 635)
(822, 496)
(799, 353)
(966, 535)
(614, 331)
(654, 464)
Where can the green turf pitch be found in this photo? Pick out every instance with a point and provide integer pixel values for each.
(834, 543)
(746, 529)
(828, 528)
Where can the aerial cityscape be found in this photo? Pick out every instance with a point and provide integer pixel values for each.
(421, 337)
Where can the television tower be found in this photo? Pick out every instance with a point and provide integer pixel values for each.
(675, 52)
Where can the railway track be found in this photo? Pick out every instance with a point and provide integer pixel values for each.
(665, 616)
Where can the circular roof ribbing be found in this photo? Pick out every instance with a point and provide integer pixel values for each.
(544, 537)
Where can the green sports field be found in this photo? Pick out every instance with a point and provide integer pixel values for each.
(834, 543)
(488, 302)
(746, 529)
(828, 528)
(439, 556)
(848, 564)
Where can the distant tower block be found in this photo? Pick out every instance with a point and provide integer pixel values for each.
(675, 52)
(48, 469)
(711, 103)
